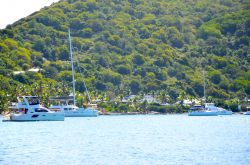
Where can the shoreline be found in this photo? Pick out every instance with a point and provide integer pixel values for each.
(139, 113)
(152, 113)
(136, 113)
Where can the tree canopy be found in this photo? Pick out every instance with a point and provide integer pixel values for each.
(138, 46)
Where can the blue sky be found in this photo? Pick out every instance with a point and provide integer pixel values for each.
(13, 10)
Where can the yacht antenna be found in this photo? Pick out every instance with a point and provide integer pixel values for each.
(83, 81)
(204, 87)
(72, 67)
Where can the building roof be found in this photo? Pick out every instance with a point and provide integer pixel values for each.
(62, 98)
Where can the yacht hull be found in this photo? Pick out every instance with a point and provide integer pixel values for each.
(247, 113)
(225, 112)
(38, 117)
(202, 113)
(81, 112)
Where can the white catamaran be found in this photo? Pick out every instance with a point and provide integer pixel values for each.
(209, 109)
(199, 110)
(71, 110)
(202, 110)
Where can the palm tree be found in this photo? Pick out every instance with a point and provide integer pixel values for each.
(144, 106)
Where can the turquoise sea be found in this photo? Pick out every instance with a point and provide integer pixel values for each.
(128, 139)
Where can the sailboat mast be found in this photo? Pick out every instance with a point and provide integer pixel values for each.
(72, 68)
(204, 87)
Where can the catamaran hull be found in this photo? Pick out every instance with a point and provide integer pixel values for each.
(194, 113)
(38, 117)
(225, 112)
(81, 113)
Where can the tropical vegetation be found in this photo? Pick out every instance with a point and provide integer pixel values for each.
(124, 47)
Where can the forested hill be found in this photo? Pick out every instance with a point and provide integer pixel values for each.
(130, 47)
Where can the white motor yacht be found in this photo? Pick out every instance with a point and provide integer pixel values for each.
(30, 109)
(199, 110)
(70, 110)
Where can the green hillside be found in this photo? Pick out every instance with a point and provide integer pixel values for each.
(130, 47)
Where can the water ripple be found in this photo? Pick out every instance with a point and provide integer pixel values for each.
(160, 139)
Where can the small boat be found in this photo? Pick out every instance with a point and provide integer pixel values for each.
(71, 110)
(29, 109)
(199, 110)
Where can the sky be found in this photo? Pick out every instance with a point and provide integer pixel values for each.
(13, 10)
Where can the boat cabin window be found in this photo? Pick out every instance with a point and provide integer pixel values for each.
(196, 108)
(22, 110)
(34, 116)
(41, 110)
(33, 100)
(68, 109)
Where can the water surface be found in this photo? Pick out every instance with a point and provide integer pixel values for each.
(138, 139)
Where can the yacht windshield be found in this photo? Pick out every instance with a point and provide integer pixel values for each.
(33, 100)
